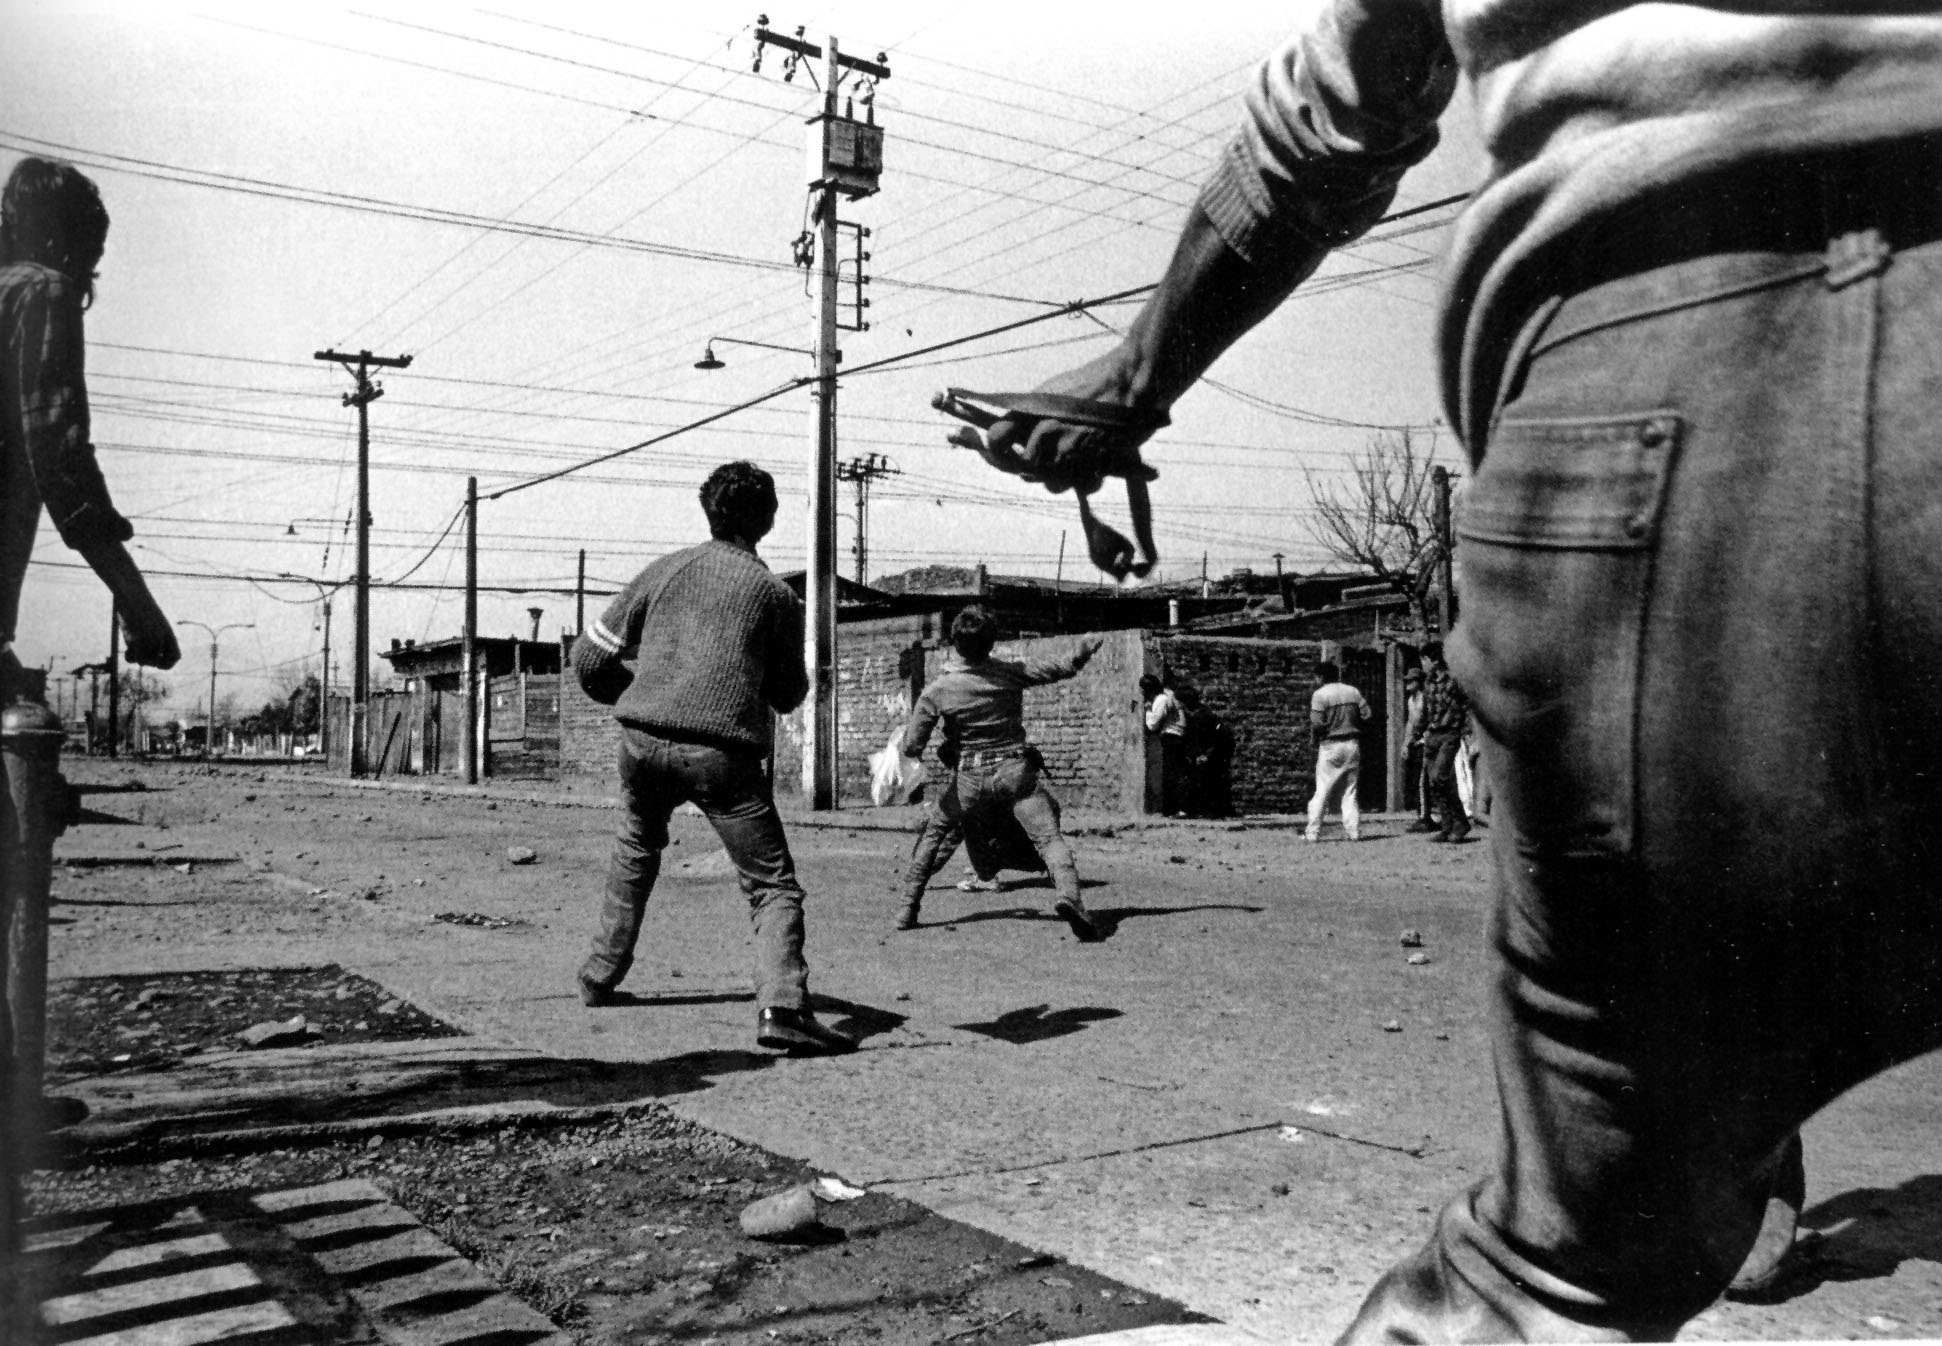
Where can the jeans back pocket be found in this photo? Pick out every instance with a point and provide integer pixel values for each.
(1557, 534)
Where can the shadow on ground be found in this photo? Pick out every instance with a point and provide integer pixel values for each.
(1865, 1234)
(1040, 1023)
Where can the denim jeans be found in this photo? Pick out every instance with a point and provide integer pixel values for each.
(1440, 749)
(1701, 572)
(656, 776)
(1338, 766)
(970, 802)
(988, 848)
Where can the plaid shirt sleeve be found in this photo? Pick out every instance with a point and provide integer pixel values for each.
(45, 345)
(1444, 705)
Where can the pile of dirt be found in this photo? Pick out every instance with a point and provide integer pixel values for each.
(624, 1229)
(99, 1025)
(628, 1231)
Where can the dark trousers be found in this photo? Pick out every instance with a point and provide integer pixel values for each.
(1440, 749)
(1713, 912)
(1175, 789)
(656, 776)
(979, 801)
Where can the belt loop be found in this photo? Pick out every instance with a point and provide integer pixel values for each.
(1855, 256)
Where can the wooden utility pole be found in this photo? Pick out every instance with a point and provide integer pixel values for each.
(860, 472)
(114, 679)
(359, 366)
(846, 157)
(468, 647)
(1440, 480)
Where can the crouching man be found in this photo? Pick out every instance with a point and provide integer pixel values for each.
(720, 646)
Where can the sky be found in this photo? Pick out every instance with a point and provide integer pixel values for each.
(553, 208)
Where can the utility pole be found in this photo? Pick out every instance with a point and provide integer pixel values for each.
(114, 679)
(845, 160)
(367, 393)
(580, 596)
(1440, 481)
(860, 472)
(468, 646)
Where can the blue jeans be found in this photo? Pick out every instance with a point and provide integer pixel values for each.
(1701, 574)
(969, 805)
(656, 776)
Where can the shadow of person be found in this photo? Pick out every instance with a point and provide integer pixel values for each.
(1865, 1234)
(855, 1021)
(1108, 919)
(628, 998)
(1040, 1023)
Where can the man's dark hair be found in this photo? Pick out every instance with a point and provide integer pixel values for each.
(1149, 684)
(737, 497)
(51, 213)
(1434, 651)
(1327, 671)
(973, 632)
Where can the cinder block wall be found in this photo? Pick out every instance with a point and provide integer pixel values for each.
(1262, 689)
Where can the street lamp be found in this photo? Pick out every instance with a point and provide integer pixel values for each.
(324, 591)
(209, 730)
(708, 360)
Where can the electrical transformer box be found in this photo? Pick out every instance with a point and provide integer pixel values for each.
(845, 155)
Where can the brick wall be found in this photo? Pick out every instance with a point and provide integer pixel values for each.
(1261, 688)
(588, 734)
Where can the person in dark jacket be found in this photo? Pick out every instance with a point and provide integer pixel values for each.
(718, 644)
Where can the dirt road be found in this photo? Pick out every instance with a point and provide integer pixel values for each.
(1247, 1099)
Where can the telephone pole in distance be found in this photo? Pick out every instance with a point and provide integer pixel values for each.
(359, 366)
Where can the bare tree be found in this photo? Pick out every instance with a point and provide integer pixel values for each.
(1381, 517)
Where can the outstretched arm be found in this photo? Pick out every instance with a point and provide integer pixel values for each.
(1333, 121)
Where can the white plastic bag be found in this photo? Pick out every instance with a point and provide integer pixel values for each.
(894, 778)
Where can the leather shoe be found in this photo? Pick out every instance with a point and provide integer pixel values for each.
(1423, 825)
(797, 1032)
(594, 994)
(1075, 916)
(907, 919)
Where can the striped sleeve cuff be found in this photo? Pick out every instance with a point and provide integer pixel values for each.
(605, 639)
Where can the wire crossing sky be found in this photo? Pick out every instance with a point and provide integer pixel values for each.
(554, 210)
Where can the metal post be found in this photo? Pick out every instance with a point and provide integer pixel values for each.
(580, 596)
(819, 746)
(209, 726)
(468, 657)
(30, 754)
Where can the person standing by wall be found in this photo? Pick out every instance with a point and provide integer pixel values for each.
(1446, 718)
(719, 643)
(1416, 792)
(1167, 722)
(1210, 758)
(980, 701)
(1336, 714)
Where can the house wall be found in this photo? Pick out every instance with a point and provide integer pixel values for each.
(1261, 688)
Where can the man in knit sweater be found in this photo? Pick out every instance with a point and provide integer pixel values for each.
(717, 647)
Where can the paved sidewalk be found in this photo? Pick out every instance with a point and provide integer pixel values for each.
(338, 1263)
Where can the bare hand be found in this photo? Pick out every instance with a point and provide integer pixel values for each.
(151, 640)
(1064, 455)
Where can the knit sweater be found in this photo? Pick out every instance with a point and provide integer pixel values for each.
(720, 645)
